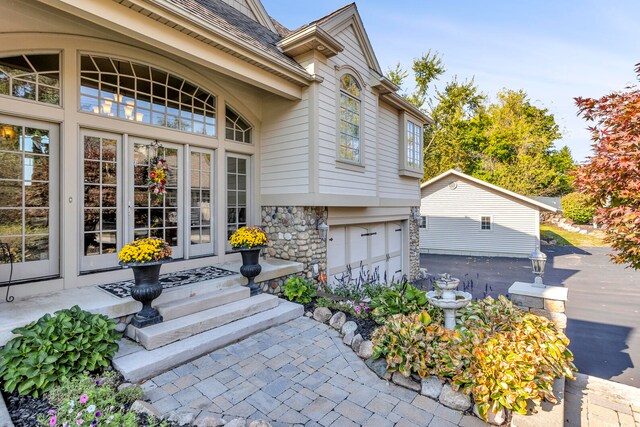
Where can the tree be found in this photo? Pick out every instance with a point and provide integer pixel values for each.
(612, 175)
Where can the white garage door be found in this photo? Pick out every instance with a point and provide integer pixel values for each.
(365, 251)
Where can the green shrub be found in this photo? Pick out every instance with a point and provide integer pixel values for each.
(299, 289)
(499, 354)
(578, 207)
(54, 347)
(94, 400)
(402, 298)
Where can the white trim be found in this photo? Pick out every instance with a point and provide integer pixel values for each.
(491, 186)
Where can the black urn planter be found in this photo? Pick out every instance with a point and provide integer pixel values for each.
(251, 267)
(147, 288)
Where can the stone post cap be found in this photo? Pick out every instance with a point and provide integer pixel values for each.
(557, 293)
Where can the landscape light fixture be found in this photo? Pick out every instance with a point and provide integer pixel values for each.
(538, 261)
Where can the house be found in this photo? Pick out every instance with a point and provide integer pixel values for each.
(258, 124)
(462, 215)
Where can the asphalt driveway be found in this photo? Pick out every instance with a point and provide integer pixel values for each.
(603, 307)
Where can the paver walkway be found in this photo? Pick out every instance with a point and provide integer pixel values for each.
(594, 402)
(298, 373)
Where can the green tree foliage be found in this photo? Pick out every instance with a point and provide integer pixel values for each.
(509, 142)
(578, 207)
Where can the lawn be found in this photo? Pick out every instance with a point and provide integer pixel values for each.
(569, 238)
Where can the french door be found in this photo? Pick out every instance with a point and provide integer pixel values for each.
(28, 199)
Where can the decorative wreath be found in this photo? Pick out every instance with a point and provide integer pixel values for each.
(157, 179)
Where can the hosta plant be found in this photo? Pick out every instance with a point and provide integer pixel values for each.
(402, 298)
(54, 347)
(499, 354)
(299, 289)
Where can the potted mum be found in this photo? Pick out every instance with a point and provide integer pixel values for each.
(145, 257)
(249, 241)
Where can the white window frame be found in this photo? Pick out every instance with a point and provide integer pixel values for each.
(406, 168)
(201, 249)
(424, 222)
(490, 222)
(342, 162)
(248, 192)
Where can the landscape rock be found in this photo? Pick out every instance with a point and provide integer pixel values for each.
(366, 349)
(496, 419)
(582, 231)
(125, 386)
(348, 327)
(357, 341)
(236, 422)
(348, 338)
(209, 422)
(431, 387)
(559, 319)
(338, 320)
(379, 367)
(121, 327)
(259, 423)
(454, 399)
(406, 382)
(308, 314)
(322, 314)
(146, 408)
(181, 417)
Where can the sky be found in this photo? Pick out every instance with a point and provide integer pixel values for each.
(554, 50)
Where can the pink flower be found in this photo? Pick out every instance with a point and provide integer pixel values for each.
(84, 398)
(80, 421)
(53, 421)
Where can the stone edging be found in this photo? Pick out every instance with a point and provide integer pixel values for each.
(431, 387)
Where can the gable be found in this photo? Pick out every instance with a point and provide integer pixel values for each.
(243, 7)
(253, 9)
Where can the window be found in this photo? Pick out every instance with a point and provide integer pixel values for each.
(34, 77)
(414, 138)
(237, 129)
(423, 222)
(485, 222)
(350, 98)
(131, 91)
(202, 215)
(237, 183)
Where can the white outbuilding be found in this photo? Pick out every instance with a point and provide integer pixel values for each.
(463, 215)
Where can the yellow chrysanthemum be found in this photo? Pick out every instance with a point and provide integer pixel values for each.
(145, 250)
(248, 237)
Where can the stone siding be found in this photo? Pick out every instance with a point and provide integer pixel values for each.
(414, 244)
(293, 235)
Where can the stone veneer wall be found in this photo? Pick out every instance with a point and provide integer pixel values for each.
(414, 244)
(293, 235)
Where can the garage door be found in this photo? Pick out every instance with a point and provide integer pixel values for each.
(357, 253)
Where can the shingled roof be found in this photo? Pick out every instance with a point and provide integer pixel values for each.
(220, 15)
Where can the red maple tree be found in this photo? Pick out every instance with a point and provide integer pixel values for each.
(612, 175)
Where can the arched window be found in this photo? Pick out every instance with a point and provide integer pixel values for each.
(350, 92)
(237, 128)
(131, 91)
(35, 77)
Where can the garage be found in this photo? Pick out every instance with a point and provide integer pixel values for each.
(361, 252)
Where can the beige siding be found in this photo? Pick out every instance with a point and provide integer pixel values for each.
(453, 218)
(390, 183)
(242, 6)
(333, 180)
(284, 146)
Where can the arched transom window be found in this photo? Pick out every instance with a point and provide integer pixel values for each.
(350, 98)
(237, 128)
(35, 77)
(131, 91)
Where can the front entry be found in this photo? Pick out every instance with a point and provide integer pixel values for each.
(28, 200)
(118, 206)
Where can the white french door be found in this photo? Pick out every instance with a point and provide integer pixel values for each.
(201, 209)
(150, 214)
(28, 199)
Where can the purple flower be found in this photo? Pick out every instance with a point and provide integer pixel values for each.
(97, 382)
(94, 422)
(84, 398)
(98, 414)
(51, 412)
(80, 421)
(53, 421)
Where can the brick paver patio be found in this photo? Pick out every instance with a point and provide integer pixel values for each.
(299, 373)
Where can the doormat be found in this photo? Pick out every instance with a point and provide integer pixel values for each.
(170, 280)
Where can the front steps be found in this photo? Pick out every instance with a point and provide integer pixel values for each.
(136, 363)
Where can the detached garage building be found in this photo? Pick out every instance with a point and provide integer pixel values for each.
(462, 215)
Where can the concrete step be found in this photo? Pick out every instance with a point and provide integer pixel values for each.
(203, 301)
(183, 327)
(142, 364)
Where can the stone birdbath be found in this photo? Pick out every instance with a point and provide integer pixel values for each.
(448, 299)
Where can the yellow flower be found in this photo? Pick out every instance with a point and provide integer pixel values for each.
(248, 237)
(145, 250)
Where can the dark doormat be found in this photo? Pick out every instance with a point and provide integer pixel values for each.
(170, 280)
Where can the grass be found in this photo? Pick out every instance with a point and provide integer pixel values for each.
(569, 238)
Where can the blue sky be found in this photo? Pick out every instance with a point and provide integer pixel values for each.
(554, 50)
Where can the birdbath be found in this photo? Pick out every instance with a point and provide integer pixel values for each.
(448, 299)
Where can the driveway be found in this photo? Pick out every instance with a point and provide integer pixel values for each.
(603, 307)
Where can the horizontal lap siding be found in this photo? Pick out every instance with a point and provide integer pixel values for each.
(454, 220)
(333, 180)
(391, 184)
(284, 146)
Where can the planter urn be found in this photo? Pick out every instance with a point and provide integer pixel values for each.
(251, 267)
(147, 287)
